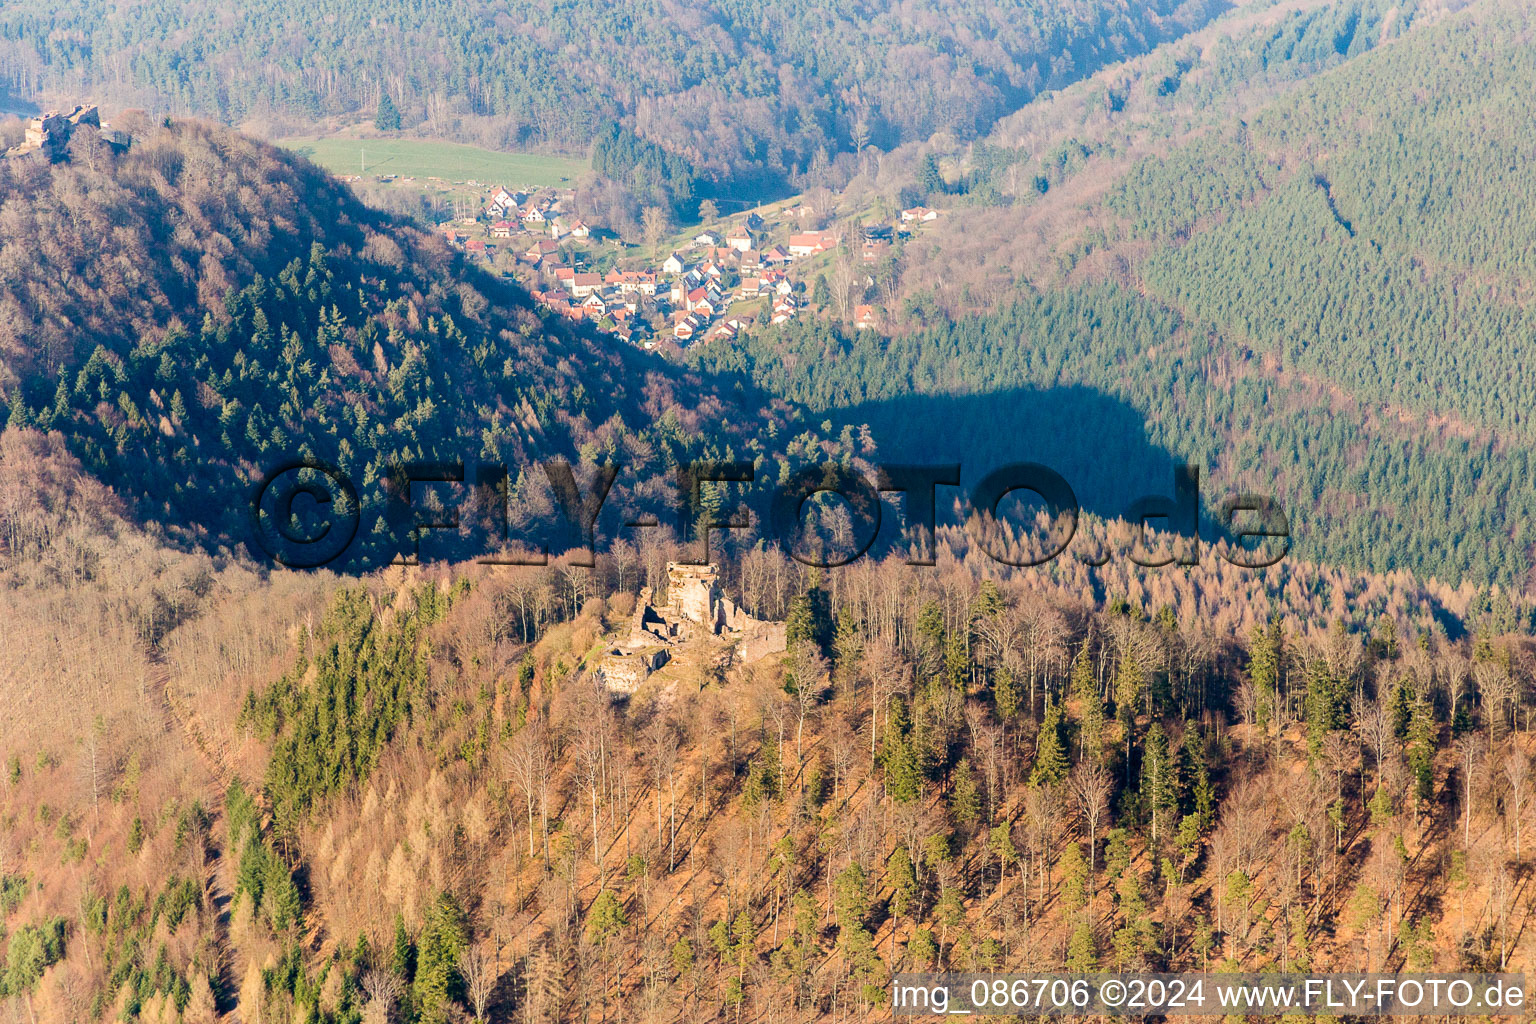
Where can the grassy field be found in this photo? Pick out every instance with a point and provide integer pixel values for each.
(446, 160)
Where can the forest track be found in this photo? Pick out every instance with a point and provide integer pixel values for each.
(218, 883)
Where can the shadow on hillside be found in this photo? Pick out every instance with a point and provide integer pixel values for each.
(1098, 443)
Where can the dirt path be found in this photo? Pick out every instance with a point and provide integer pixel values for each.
(218, 882)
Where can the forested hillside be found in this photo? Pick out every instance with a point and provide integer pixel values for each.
(407, 798)
(198, 310)
(1324, 298)
(749, 91)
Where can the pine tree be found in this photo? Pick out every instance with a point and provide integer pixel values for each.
(929, 178)
(1422, 733)
(930, 639)
(280, 896)
(1000, 843)
(903, 774)
(402, 956)
(682, 958)
(957, 659)
(443, 939)
(1202, 795)
(809, 619)
(1086, 692)
(965, 798)
(1050, 751)
(922, 949)
(1264, 670)
(388, 117)
(850, 896)
(1159, 785)
(1082, 950)
(1074, 878)
(1007, 695)
(821, 292)
(606, 917)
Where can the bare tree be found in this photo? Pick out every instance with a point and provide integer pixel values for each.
(480, 977)
(888, 674)
(810, 674)
(662, 742)
(1090, 784)
(1497, 689)
(1457, 673)
(1517, 772)
(1469, 755)
(383, 990)
(844, 278)
(843, 745)
(1373, 723)
(653, 224)
(528, 765)
(1042, 805)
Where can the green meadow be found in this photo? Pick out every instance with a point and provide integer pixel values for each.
(452, 162)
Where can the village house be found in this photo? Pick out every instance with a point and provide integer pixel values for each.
(876, 241)
(541, 249)
(739, 239)
(579, 229)
(501, 229)
(864, 318)
(585, 284)
(502, 203)
(706, 238)
(918, 215)
(684, 324)
(630, 282)
(811, 242)
(673, 264)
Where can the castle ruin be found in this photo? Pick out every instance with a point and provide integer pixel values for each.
(50, 133)
(695, 609)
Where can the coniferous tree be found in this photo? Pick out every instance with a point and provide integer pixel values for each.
(388, 117)
(443, 938)
(1159, 784)
(1050, 751)
(964, 797)
(1086, 692)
